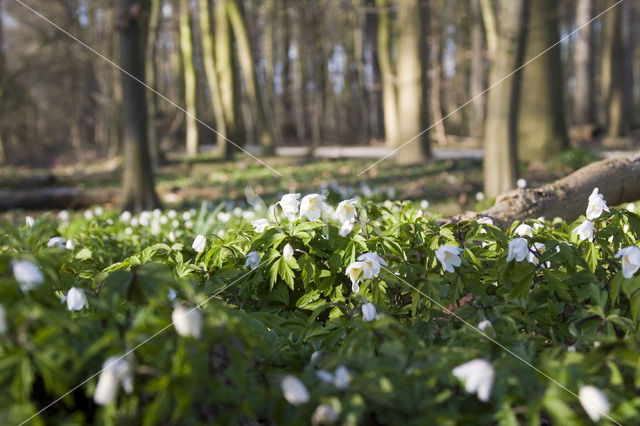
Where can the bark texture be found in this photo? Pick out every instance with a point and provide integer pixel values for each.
(617, 179)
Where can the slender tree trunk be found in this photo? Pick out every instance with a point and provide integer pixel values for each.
(410, 85)
(245, 58)
(436, 74)
(584, 89)
(209, 62)
(226, 76)
(542, 130)
(137, 180)
(629, 43)
(389, 93)
(500, 144)
(186, 48)
(478, 78)
(150, 72)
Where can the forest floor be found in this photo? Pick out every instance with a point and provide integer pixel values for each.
(451, 182)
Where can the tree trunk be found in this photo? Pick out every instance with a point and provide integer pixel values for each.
(245, 58)
(389, 94)
(629, 43)
(436, 71)
(137, 180)
(567, 198)
(500, 144)
(150, 73)
(209, 63)
(584, 89)
(542, 131)
(478, 79)
(226, 76)
(186, 48)
(410, 85)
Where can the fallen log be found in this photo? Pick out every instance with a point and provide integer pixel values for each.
(618, 179)
(56, 198)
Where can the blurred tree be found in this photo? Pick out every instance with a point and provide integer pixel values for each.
(478, 78)
(137, 180)
(153, 31)
(186, 47)
(542, 130)
(615, 85)
(500, 139)
(247, 66)
(404, 84)
(584, 65)
(209, 62)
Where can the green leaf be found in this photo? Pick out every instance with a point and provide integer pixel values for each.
(84, 254)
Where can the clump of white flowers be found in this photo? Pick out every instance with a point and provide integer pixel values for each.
(367, 267)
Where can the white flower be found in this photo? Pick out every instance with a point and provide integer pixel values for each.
(187, 321)
(596, 205)
(346, 211)
(369, 312)
(70, 245)
(449, 257)
(482, 325)
(63, 216)
(371, 264)
(260, 225)
(521, 183)
(125, 216)
(171, 294)
(3, 320)
(115, 370)
(485, 221)
(224, 217)
(290, 204)
(324, 376)
(479, 196)
(58, 242)
(294, 391)
(518, 250)
(199, 243)
(594, 402)
(630, 260)
(27, 274)
(29, 221)
(128, 231)
(324, 414)
(312, 206)
(524, 230)
(76, 299)
(355, 273)
(287, 251)
(477, 376)
(98, 211)
(346, 228)
(341, 377)
(424, 204)
(88, 214)
(253, 260)
(540, 248)
(585, 230)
